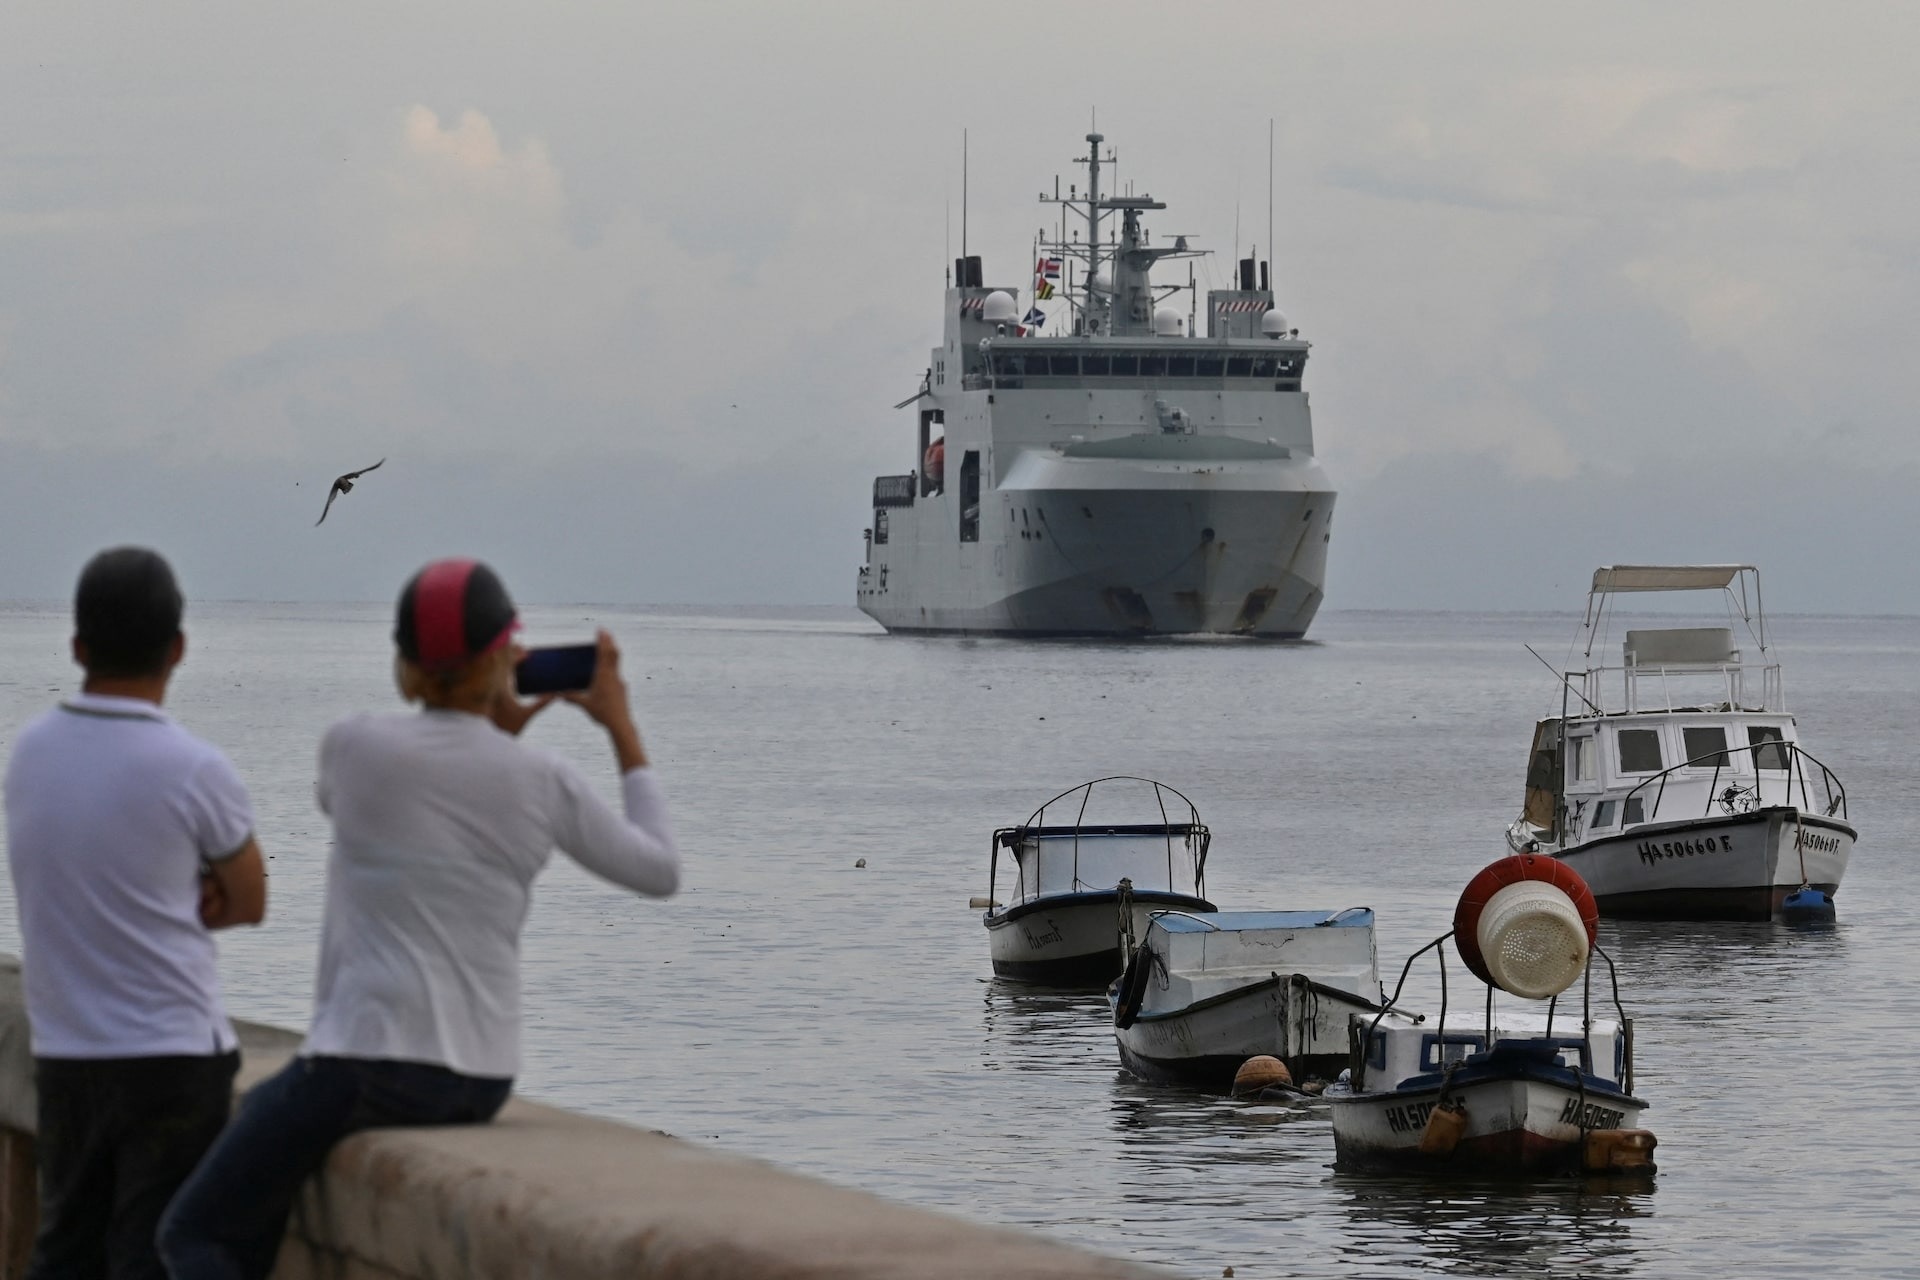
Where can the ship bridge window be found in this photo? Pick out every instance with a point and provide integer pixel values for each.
(1126, 365)
(1239, 366)
(1209, 366)
(1603, 814)
(1153, 366)
(1179, 366)
(1096, 366)
(1706, 747)
(1768, 743)
(1639, 751)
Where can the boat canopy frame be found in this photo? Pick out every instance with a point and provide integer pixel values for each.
(1360, 1041)
(1651, 656)
(1193, 833)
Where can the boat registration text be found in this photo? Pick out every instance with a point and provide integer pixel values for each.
(1652, 851)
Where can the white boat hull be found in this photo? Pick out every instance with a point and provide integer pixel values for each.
(1072, 940)
(1512, 1125)
(1302, 1023)
(1727, 868)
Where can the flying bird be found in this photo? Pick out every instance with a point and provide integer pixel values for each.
(343, 484)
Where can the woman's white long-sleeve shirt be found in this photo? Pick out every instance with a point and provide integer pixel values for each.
(441, 822)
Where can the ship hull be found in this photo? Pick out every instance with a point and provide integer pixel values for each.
(1101, 550)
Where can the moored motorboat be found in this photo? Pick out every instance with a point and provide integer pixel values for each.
(1521, 1088)
(1676, 783)
(1081, 887)
(1205, 991)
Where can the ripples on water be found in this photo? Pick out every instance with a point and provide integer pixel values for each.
(841, 1021)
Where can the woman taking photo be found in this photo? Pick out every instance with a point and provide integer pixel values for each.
(441, 820)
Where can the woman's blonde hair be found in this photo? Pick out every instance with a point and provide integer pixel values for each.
(474, 682)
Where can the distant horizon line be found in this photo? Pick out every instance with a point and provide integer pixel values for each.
(50, 602)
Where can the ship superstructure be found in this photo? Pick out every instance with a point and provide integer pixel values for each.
(1110, 472)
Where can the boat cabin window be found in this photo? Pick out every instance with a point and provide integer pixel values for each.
(1581, 751)
(1706, 747)
(1603, 813)
(1639, 751)
(1636, 811)
(1436, 1053)
(1768, 749)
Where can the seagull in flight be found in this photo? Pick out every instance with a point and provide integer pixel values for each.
(343, 484)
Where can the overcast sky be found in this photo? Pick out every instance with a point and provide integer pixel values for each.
(624, 291)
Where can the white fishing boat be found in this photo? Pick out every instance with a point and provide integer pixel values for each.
(1519, 1087)
(1086, 462)
(1205, 991)
(1676, 783)
(1080, 887)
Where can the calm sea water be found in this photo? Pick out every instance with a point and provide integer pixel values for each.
(843, 1021)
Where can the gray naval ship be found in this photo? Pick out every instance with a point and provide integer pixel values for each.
(1104, 470)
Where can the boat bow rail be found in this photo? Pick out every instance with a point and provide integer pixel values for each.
(1449, 1052)
(1743, 794)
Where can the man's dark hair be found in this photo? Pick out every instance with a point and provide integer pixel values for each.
(126, 611)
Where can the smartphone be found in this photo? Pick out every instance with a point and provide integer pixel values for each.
(565, 668)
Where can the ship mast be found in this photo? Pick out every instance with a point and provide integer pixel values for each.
(1095, 307)
(1131, 260)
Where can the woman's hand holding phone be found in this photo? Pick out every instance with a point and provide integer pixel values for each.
(605, 702)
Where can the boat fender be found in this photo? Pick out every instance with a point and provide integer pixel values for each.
(1260, 1072)
(1496, 876)
(1807, 904)
(1133, 987)
(1446, 1125)
(1614, 1150)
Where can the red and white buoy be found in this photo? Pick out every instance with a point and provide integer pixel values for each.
(1525, 924)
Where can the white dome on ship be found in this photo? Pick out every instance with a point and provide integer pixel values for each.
(1000, 308)
(1099, 283)
(1167, 323)
(1273, 324)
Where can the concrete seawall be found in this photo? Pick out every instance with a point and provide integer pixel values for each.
(544, 1194)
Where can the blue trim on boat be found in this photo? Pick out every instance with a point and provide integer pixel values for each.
(1531, 1058)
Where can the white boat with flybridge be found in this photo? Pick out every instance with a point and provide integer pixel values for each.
(1205, 991)
(1081, 883)
(1087, 464)
(1676, 782)
(1515, 1088)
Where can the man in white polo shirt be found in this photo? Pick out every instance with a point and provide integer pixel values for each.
(129, 839)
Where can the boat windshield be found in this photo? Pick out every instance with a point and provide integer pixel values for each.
(1162, 859)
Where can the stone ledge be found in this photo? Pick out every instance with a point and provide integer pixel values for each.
(547, 1193)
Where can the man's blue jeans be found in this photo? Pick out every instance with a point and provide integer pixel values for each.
(226, 1222)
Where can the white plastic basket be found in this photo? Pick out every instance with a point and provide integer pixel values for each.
(1532, 940)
